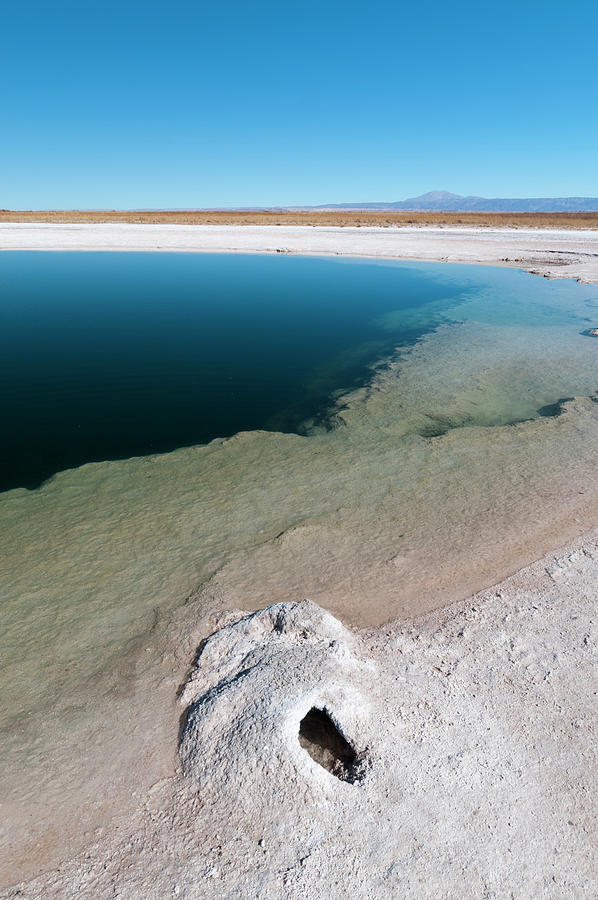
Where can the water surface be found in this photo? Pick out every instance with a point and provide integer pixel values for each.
(111, 355)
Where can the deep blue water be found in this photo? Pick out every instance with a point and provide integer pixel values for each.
(111, 355)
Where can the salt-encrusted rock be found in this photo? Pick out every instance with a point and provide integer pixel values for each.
(255, 682)
(464, 784)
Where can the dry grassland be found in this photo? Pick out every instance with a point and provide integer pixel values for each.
(335, 218)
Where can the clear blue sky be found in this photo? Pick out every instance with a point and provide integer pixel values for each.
(187, 104)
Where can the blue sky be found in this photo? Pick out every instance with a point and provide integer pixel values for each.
(189, 104)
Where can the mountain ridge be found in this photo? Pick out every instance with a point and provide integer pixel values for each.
(445, 201)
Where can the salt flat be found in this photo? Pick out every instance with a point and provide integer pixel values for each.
(564, 254)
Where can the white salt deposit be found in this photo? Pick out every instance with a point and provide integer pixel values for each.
(552, 252)
(475, 734)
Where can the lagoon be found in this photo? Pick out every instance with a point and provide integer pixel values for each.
(427, 451)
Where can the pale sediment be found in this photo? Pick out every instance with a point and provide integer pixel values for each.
(473, 766)
(557, 254)
(133, 562)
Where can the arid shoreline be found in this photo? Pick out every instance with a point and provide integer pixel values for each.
(474, 724)
(554, 253)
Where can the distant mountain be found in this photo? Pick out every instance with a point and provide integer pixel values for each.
(443, 201)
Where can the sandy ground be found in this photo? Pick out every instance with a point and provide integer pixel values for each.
(336, 218)
(471, 789)
(564, 254)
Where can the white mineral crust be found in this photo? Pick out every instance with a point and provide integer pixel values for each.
(475, 725)
(556, 253)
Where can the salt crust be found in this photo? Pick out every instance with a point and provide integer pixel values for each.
(551, 252)
(477, 724)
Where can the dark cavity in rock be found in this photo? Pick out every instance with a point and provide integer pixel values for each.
(326, 745)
